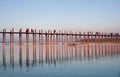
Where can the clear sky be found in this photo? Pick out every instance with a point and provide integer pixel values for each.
(75, 15)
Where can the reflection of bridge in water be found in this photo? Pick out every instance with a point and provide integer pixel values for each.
(59, 47)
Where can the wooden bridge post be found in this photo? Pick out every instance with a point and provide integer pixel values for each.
(75, 40)
(105, 43)
(57, 46)
(12, 47)
(39, 45)
(80, 41)
(97, 52)
(51, 45)
(109, 43)
(13, 39)
(35, 46)
(112, 36)
(27, 47)
(95, 39)
(4, 37)
(99, 43)
(118, 42)
(99, 34)
(88, 41)
(102, 45)
(4, 48)
(20, 47)
(115, 42)
(54, 44)
(42, 45)
(48, 44)
(67, 44)
(92, 42)
(84, 35)
(72, 42)
(62, 45)
(34, 35)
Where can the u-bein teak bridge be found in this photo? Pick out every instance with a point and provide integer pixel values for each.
(53, 46)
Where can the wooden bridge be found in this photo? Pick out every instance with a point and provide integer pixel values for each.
(64, 34)
(58, 44)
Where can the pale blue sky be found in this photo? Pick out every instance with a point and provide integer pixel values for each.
(75, 15)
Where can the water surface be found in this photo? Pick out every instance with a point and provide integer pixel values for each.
(60, 60)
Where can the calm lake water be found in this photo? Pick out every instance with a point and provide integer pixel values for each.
(60, 60)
